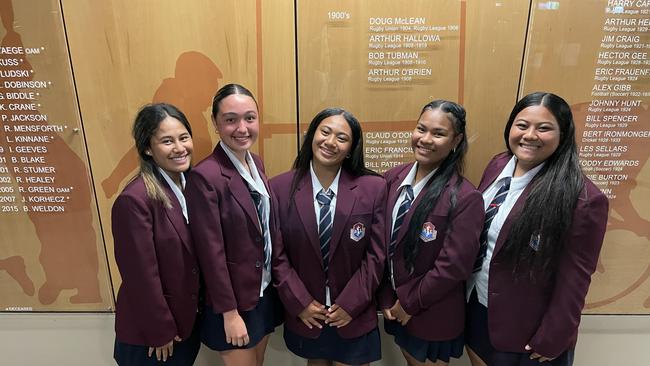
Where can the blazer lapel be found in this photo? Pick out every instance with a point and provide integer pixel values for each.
(304, 201)
(393, 194)
(491, 173)
(514, 212)
(407, 219)
(344, 203)
(175, 216)
(237, 186)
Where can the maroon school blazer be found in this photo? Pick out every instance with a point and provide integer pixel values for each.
(160, 278)
(226, 232)
(434, 294)
(544, 314)
(357, 251)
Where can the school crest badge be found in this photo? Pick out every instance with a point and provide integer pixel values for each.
(357, 232)
(428, 232)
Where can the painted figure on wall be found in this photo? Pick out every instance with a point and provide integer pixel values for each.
(191, 89)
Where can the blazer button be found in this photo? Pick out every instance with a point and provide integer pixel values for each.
(258, 264)
(258, 239)
(195, 271)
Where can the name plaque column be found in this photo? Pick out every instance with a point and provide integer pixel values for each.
(51, 252)
(596, 54)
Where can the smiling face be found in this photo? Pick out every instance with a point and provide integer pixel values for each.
(171, 147)
(534, 136)
(433, 138)
(332, 142)
(237, 123)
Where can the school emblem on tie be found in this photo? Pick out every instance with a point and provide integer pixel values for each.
(357, 232)
(428, 232)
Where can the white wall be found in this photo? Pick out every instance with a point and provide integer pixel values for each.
(87, 339)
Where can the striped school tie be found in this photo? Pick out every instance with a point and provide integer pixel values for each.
(399, 219)
(257, 199)
(492, 210)
(325, 227)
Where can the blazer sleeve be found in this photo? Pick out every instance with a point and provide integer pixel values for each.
(136, 259)
(207, 235)
(359, 292)
(292, 291)
(577, 263)
(386, 296)
(455, 260)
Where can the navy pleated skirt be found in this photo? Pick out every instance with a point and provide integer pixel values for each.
(477, 337)
(184, 352)
(421, 349)
(330, 346)
(260, 321)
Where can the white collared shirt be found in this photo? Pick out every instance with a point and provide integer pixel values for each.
(317, 187)
(256, 183)
(517, 186)
(177, 191)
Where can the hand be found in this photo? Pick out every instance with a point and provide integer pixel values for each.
(337, 317)
(537, 356)
(314, 312)
(399, 313)
(236, 333)
(388, 314)
(164, 351)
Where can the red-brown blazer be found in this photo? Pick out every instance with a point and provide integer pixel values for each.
(545, 314)
(160, 278)
(355, 267)
(226, 232)
(434, 294)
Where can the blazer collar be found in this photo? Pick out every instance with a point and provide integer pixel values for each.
(237, 185)
(493, 170)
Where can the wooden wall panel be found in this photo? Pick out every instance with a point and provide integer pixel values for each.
(382, 61)
(51, 248)
(129, 54)
(379, 59)
(596, 55)
(495, 44)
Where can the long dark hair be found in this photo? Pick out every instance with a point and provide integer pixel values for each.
(353, 164)
(548, 210)
(145, 126)
(453, 164)
(225, 91)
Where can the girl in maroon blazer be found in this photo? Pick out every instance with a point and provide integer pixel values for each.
(330, 257)
(436, 217)
(230, 209)
(543, 231)
(157, 301)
